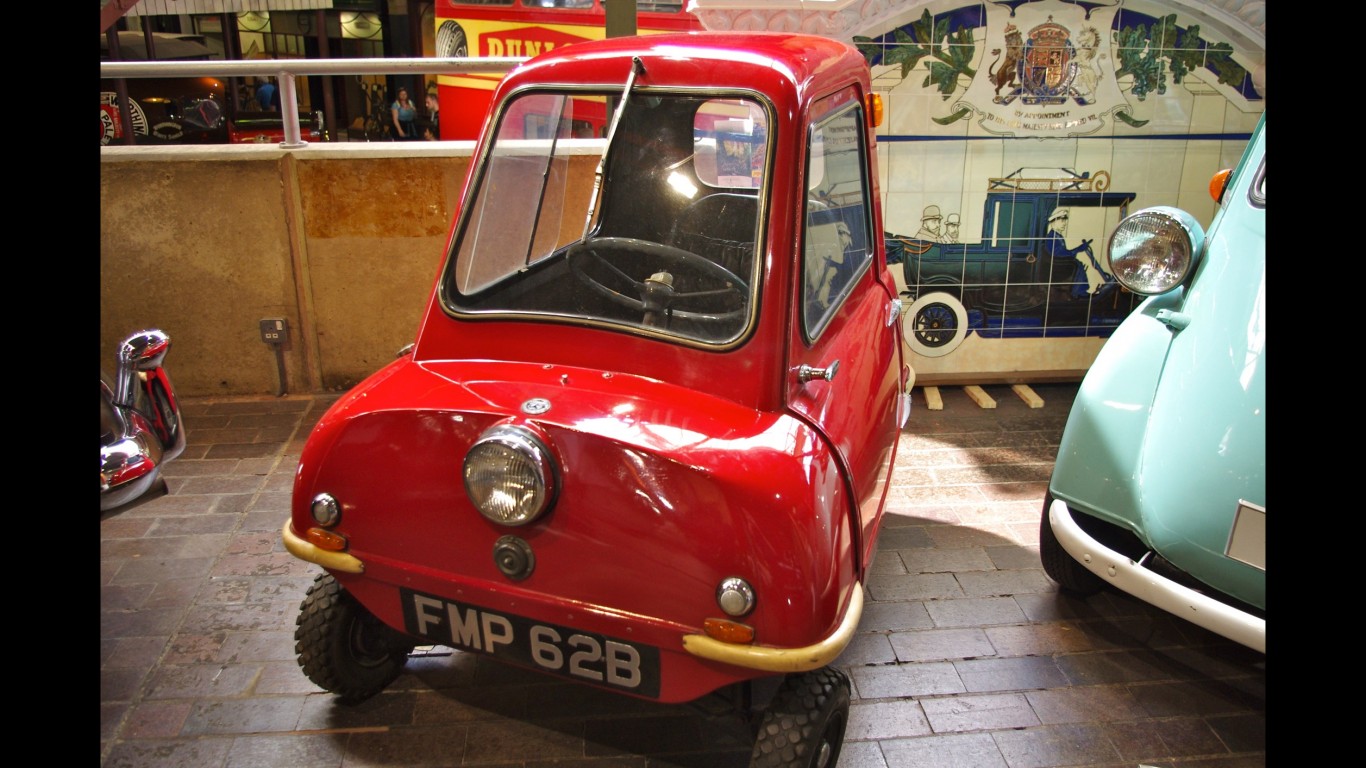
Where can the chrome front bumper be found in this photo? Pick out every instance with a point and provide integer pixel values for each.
(1129, 576)
(129, 468)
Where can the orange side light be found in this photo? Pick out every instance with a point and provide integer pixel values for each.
(1217, 183)
(874, 109)
(334, 542)
(728, 631)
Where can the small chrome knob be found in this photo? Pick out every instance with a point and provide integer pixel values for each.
(806, 373)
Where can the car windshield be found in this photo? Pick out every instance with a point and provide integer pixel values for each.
(667, 246)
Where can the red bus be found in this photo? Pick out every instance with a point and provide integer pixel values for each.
(484, 28)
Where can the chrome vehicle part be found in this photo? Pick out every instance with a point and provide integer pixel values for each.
(140, 425)
(1154, 250)
(735, 596)
(513, 557)
(325, 509)
(1129, 575)
(510, 476)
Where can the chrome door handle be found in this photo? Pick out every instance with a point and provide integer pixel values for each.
(806, 373)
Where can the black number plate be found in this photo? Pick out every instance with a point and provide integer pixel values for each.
(573, 653)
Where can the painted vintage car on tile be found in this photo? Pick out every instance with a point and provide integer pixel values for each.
(645, 434)
(1159, 488)
(1019, 279)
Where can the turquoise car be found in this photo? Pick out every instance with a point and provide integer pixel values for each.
(1159, 488)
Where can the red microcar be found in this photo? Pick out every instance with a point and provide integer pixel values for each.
(644, 437)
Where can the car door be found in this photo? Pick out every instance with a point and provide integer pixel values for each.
(844, 370)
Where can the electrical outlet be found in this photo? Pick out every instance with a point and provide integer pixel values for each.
(274, 330)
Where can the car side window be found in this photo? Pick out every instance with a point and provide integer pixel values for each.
(835, 238)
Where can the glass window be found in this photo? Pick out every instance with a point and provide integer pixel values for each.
(571, 4)
(502, 238)
(730, 141)
(654, 244)
(655, 6)
(835, 241)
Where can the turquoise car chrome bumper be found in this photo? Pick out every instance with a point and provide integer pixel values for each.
(1131, 577)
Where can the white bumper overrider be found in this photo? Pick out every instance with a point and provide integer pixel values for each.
(1129, 576)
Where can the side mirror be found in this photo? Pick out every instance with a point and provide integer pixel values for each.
(142, 351)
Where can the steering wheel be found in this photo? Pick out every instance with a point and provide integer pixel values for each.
(655, 295)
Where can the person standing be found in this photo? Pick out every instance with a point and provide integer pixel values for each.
(266, 95)
(404, 116)
(433, 131)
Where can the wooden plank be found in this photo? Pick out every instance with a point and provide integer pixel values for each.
(1028, 395)
(932, 399)
(979, 396)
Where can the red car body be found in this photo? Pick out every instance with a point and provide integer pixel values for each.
(743, 429)
(263, 128)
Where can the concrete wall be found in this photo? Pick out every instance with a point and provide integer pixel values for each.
(344, 241)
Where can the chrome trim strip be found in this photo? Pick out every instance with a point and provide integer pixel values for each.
(1125, 574)
(783, 659)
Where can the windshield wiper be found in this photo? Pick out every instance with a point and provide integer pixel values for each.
(637, 67)
(545, 183)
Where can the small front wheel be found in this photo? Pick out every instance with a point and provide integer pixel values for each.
(342, 647)
(804, 726)
(1058, 564)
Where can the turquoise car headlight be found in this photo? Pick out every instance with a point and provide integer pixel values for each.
(510, 475)
(1155, 249)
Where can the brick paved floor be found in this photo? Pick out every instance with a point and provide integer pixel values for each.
(967, 654)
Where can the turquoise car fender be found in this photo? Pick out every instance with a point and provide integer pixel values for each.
(1205, 458)
(1102, 445)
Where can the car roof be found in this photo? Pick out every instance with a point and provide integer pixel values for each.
(776, 63)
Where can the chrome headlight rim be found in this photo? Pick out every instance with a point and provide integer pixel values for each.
(510, 475)
(1154, 250)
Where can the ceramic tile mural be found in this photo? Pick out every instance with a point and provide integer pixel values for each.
(1018, 134)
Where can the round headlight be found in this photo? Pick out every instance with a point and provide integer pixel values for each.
(1153, 251)
(509, 475)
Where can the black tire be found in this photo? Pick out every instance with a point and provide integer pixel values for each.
(1060, 566)
(451, 41)
(804, 726)
(342, 647)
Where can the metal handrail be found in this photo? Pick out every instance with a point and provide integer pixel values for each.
(285, 70)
